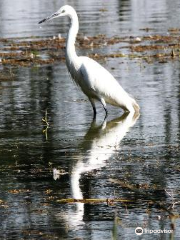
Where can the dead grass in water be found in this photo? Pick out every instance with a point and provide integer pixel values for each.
(47, 51)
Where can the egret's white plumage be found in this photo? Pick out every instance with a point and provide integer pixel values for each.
(94, 80)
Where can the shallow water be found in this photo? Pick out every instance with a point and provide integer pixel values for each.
(141, 153)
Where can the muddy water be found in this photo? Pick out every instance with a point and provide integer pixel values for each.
(125, 157)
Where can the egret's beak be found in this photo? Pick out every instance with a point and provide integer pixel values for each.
(54, 15)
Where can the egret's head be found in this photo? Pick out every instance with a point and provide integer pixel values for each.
(63, 11)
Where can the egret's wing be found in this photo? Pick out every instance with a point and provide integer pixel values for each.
(97, 78)
(87, 78)
(103, 84)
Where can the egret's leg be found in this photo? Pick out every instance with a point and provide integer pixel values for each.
(93, 106)
(104, 106)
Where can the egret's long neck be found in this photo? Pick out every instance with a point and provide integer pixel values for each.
(71, 38)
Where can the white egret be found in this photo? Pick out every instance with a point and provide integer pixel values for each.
(94, 80)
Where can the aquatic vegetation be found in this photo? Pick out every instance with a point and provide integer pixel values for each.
(25, 52)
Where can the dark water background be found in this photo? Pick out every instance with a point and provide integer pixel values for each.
(143, 151)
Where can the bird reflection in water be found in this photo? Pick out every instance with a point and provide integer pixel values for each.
(99, 144)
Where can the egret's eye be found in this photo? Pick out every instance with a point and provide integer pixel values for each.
(63, 11)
